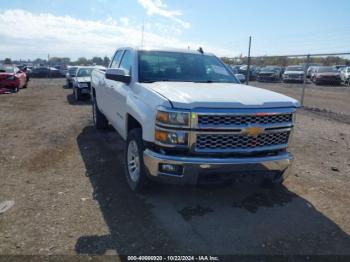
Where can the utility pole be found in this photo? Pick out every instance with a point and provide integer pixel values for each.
(48, 62)
(305, 80)
(248, 66)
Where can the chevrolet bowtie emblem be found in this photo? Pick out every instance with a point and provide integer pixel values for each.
(253, 131)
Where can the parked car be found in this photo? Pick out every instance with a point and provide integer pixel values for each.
(270, 74)
(62, 69)
(326, 75)
(187, 120)
(42, 72)
(294, 74)
(239, 76)
(12, 78)
(244, 71)
(70, 75)
(82, 81)
(311, 71)
(345, 75)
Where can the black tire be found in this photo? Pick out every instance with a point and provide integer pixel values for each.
(77, 94)
(100, 121)
(16, 90)
(139, 184)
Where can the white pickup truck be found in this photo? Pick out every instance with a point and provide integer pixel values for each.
(186, 119)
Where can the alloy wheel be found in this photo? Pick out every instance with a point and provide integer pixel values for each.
(133, 161)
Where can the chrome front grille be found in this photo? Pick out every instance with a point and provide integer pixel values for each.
(239, 142)
(239, 120)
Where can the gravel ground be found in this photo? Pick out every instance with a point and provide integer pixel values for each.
(70, 196)
(334, 100)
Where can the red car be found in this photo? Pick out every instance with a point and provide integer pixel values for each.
(12, 79)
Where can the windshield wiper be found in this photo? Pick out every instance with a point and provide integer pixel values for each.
(204, 81)
(153, 81)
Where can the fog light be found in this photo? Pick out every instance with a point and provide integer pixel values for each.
(170, 169)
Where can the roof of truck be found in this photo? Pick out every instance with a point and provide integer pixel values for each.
(167, 49)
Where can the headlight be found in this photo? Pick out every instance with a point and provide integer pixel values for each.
(173, 118)
(171, 138)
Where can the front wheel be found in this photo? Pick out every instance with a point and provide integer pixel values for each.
(133, 159)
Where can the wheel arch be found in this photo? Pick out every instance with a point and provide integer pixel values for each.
(132, 123)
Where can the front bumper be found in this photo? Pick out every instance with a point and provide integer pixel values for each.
(267, 78)
(196, 170)
(11, 84)
(84, 90)
(293, 78)
(328, 80)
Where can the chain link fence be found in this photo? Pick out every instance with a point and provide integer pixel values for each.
(319, 81)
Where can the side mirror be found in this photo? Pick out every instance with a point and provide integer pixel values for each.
(118, 75)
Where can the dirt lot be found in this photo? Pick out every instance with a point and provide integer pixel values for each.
(70, 196)
(334, 100)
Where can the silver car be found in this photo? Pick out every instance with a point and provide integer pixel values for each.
(345, 75)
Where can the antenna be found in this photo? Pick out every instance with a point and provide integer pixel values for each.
(143, 29)
(200, 50)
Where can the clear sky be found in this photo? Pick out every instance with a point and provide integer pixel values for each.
(30, 29)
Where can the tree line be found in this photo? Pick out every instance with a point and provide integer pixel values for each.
(96, 60)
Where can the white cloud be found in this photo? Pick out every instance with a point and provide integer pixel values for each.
(157, 7)
(124, 21)
(27, 35)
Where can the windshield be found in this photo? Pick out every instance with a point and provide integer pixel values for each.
(6, 69)
(295, 68)
(84, 72)
(72, 71)
(327, 69)
(182, 67)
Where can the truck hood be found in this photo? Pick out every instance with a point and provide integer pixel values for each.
(189, 95)
(83, 79)
(293, 72)
(329, 74)
(268, 72)
(4, 75)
